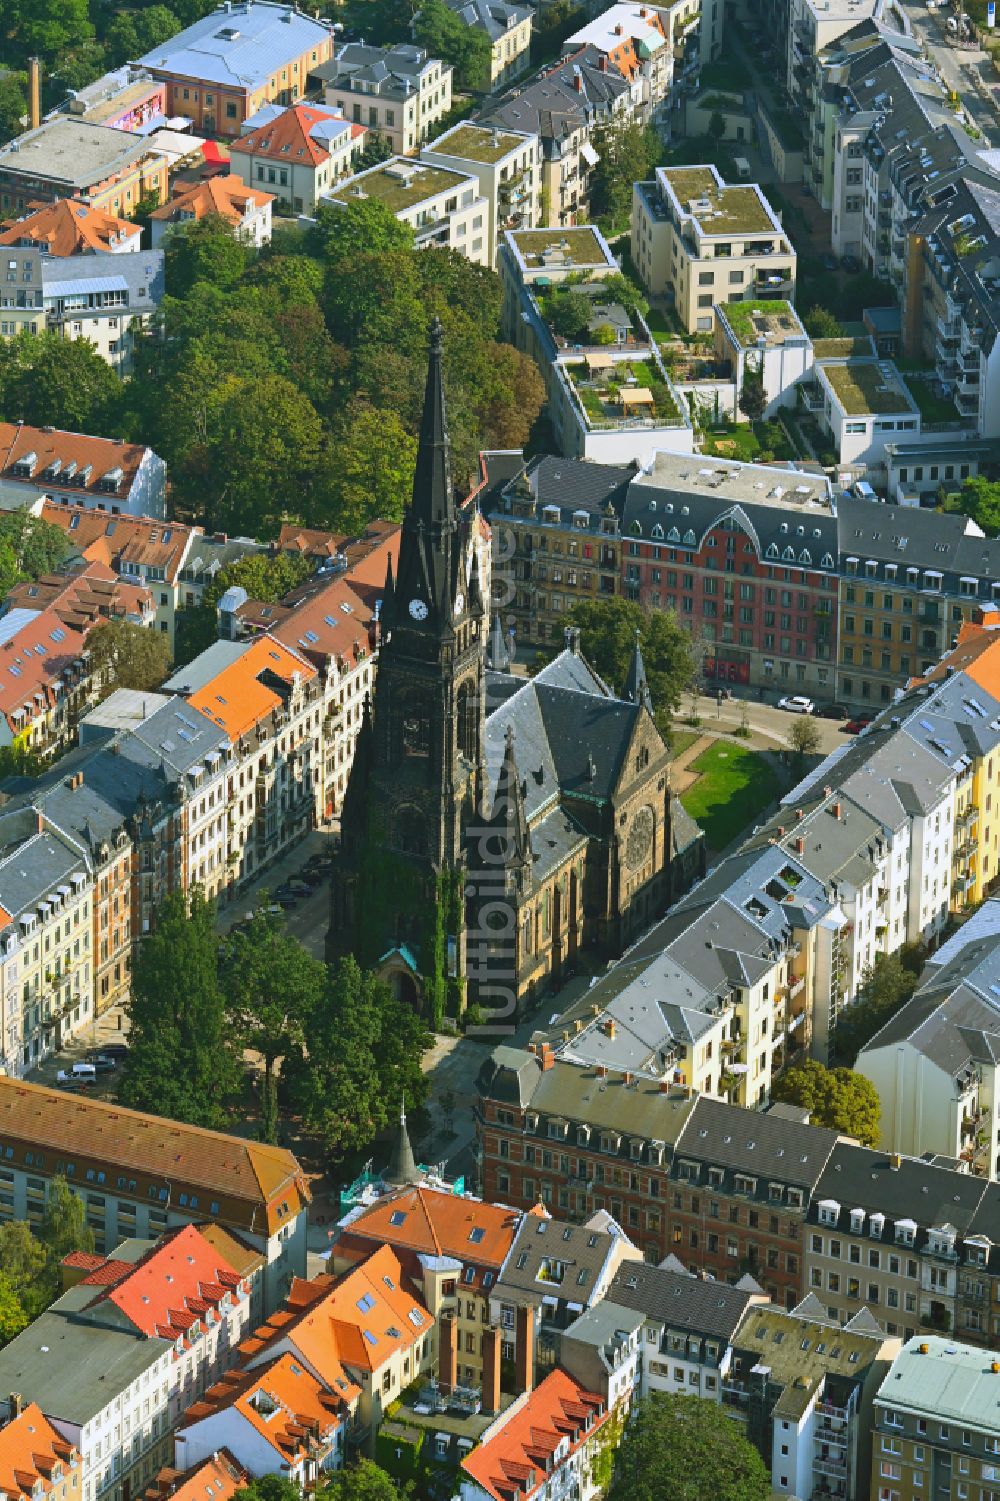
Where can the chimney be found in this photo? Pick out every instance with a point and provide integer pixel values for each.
(800, 846)
(603, 63)
(895, 1162)
(578, 83)
(546, 1056)
(15, 1404)
(628, 1079)
(34, 92)
(781, 831)
(836, 810)
(827, 791)
(800, 814)
(602, 1071)
(524, 1355)
(925, 1349)
(666, 1085)
(491, 1370)
(447, 1351)
(39, 822)
(610, 1027)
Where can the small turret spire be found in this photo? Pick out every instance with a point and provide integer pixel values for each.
(402, 1169)
(497, 655)
(637, 684)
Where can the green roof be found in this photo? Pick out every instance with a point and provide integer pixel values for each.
(758, 318)
(734, 210)
(868, 388)
(400, 184)
(582, 246)
(476, 143)
(944, 1380)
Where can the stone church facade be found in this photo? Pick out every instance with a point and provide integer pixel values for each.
(496, 829)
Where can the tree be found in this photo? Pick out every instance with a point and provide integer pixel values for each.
(204, 250)
(821, 324)
(13, 1317)
(272, 986)
(377, 148)
(358, 226)
(570, 313)
(47, 28)
(125, 655)
(753, 397)
(679, 1446)
(886, 986)
(49, 381)
(29, 547)
(446, 35)
(628, 153)
(370, 473)
(181, 1062)
(978, 498)
(64, 1225)
(717, 126)
(13, 104)
(26, 1267)
(838, 1098)
(803, 736)
(271, 1488)
(364, 1481)
(607, 639)
(364, 1050)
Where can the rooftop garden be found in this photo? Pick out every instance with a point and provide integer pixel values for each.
(588, 312)
(758, 318)
(932, 407)
(477, 143)
(606, 400)
(399, 187)
(868, 389)
(734, 210)
(579, 247)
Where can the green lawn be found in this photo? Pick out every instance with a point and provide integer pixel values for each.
(758, 442)
(680, 740)
(933, 408)
(734, 787)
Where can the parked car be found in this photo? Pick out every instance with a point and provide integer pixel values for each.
(833, 711)
(102, 1063)
(116, 1050)
(84, 1072)
(797, 704)
(851, 264)
(73, 1082)
(859, 723)
(285, 896)
(828, 261)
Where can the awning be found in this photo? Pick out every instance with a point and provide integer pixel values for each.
(589, 155)
(213, 152)
(84, 285)
(636, 396)
(598, 361)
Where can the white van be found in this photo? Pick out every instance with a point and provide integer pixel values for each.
(742, 168)
(81, 1072)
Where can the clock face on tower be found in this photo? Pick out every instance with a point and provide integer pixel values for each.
(418, 609)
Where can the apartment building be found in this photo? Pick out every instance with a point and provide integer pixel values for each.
(296, 154)
(925, 574)
(246, 209)
(399, 92)
(507, 164)
(451, 1249)
(809, 1385)
(746, 555)
(899, 1235)
(640, 42)
(813, 28)
(935, 1423)
(611, 398)
(43, 692)
(21, 307)
(64, 468)
(364, 1325)
(689, 1329)
(557, 529)
(764, 340)
(551, 1436)
(864, 403)
(685, 221)
(84, 595)
(108, 169)
(444, 208)
(833, 169)
(561, 106)
(105, 299)
(35, 1459)
(508, 28)
(71, 227)
(220, 1476)
(223, 68)
(114, 1159)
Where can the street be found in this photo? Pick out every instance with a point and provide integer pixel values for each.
(766, 720)
(956, 64)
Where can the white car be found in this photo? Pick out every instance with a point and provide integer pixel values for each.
(797, 704)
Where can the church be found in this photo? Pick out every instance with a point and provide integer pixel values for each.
(497, 830)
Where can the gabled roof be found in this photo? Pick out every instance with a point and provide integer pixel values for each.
(519, 1449)
(304, 134)
(762, 1145)
(123, 539)
(32, 1452)
(32, 663)
(241, 48)
(282, 1402)
(680, 1300)
(218, 1478)
(47, 458)
(436, 1222)
(252, 687)
(69, 227)
(179, 1282)
(84, 595)
(228, 196)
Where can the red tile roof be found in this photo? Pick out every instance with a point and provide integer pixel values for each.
(69, 227)
(180, 1282)
(123, 539)
(290, 137)
(433, 1222)
(283, 1402)
(514, 1454)
(30, 1452)
(330, 621)
(102, 456)
(240, 696)
(214, 1479)
(84, 596)
(227, 196)
(32, 663)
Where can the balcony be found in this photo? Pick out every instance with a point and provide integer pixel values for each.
(826, 1464)
(831, 1410)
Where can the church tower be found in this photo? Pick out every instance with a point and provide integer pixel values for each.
(419, 765)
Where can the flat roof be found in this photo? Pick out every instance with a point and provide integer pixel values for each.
(948, 1380)
(401, 184)
(731, 480)
(74, 151)
(477, 143)
(757, 320)
(559, 248)
(239, 47)
(733, 209)
(868, 387)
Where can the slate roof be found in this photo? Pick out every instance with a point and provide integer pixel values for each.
(858, 1178)
(32, 869)
(495, 17)
(652, 1004)
(574, 485)
(759, 1144)
(954, 1017)
(680, 1300)
(388, 72)
(583, 1250)
(914, 538)
(552, 107)
(241, 48)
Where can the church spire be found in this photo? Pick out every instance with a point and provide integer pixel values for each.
(387, 607)
(637, 684)
(433, 502)
(497, 655)
(402, 1169)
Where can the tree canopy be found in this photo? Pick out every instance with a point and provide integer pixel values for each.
(979, 498)
(126, 655)
(627, 154)
(363, 1481)
(49, 381)
(837, 1097)
(607, 640)
(467, 48)
(885, 988)
(680, 1446)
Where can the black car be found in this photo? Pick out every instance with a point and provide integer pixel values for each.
(286, 897)
(833, 711)
(115, 1050)
(103, 1063)
(851, 264)
(828, 261)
